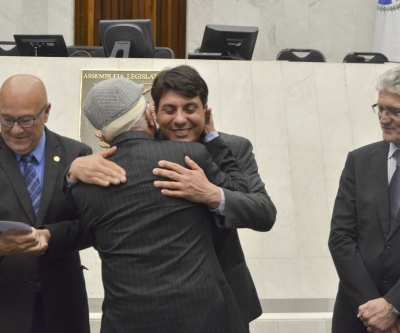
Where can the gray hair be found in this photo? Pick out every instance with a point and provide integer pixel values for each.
(390, 81)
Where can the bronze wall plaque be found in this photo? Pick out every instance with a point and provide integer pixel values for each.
(91, 77)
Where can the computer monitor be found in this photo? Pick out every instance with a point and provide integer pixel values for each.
(41, 45)
(127, 38)
(231, 42)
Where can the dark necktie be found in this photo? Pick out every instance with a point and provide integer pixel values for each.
(394, 190)
(32, 182)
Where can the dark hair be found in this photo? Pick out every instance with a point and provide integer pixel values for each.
(183, 79)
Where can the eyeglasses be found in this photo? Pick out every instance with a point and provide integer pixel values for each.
(24, 122)
(390, 111)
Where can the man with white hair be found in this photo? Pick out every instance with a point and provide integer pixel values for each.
(160, 271)
(365, 234)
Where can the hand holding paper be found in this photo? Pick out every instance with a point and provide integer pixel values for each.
(28, 241)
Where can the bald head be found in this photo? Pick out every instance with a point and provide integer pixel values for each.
(23, 97)
(25, 85)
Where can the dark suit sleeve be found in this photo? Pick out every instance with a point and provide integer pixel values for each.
(354, 277)
(393, 295)
(68, 236)
(255, 209)
(230, 178)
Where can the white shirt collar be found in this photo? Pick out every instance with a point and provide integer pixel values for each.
(392, 149)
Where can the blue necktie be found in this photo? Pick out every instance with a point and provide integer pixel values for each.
(394, 190)
(35, 192)
(32, 182)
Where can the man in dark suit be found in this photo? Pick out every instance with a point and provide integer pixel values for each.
(43, 293)
(365, 234)
(159, 268)
(175, 91)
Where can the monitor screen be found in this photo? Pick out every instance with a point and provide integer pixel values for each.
(233, 42)
(127, 38)
(41, 45)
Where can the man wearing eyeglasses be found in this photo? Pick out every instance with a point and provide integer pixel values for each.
(365, 234)
(42, 289)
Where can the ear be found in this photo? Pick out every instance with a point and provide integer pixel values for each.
(47, 112)
(104, 142)
(155, 113)
(149, 118)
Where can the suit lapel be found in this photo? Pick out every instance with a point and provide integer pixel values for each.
(395, 225)
(379, 176)
(10, 167)
(53, 157)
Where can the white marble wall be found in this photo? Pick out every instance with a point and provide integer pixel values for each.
(335, 27)
(37, 17)
(302, 119)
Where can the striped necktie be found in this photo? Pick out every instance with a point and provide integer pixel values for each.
(32, 182)
(394, 190)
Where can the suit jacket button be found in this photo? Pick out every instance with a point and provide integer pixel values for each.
(385, 279)
(31, 280)
(388, 245)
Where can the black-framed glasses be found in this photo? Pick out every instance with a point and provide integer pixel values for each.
(24, 122)
(390, 111)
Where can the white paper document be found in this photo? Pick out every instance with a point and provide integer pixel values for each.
(7, 225)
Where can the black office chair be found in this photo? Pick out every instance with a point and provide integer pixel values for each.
(86, 51)
(98, 53)
(365, 58)
(309, 55)
(164, 52)
(10, 52)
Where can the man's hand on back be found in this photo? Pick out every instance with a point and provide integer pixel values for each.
(96, 169)
(190, 184)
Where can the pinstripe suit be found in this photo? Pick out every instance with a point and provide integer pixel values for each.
(159, 267)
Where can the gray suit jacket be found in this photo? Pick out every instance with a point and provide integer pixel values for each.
(64, 294)
(160, 271)
(253, 210)
(365, 252)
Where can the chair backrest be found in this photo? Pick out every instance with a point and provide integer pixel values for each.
(365, 58)
(86, 51)
(10, 52)
(164, 52)
(309, 55)
(99, 53)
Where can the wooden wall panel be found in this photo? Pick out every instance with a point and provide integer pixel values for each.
(168, 20)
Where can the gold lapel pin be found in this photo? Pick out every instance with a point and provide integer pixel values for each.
(56, 158)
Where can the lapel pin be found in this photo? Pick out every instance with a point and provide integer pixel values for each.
(56, 158)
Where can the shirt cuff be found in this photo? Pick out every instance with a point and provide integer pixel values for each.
(70, 183)
(221, 208)
(210, 136)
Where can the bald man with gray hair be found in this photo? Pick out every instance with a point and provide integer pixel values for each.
(42, 288)
(159, 268)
